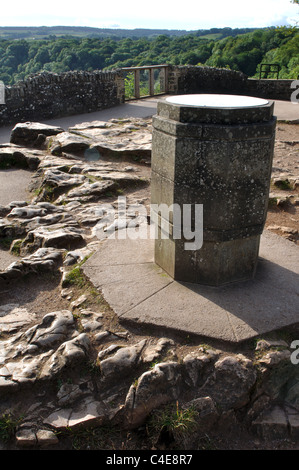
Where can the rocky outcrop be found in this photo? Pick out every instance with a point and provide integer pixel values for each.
(27, 133)
(123, 387)
(106, 373)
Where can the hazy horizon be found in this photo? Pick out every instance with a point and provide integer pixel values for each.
(193, 15)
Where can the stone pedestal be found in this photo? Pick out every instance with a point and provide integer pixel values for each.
(214, 152)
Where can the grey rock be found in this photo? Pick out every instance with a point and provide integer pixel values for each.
(123, 361)
(99, 337)
(231, 382)
(194, 366)
(207, 414)
(69, 353)
(61, 179)
(20, 157)
(90, 412)
(43, 260)
(153, 352)
(45, 237)
(27, 133)
(107, 351)
(27, 212)
(91, 190)
(69, 143)
(69, 393)
(54, 328)
(293, 420)
(79, 301)
(272, 424)
(25, 438)
(268, 344)
(46, 438)
(156, 387)
(13, 317)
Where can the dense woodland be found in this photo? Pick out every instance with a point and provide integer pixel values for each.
(226, 48)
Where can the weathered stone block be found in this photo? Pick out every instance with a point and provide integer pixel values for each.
(220, 158)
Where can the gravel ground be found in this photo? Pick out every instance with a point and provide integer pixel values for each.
(13, 184)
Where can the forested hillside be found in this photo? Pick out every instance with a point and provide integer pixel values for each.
(244, 52)
(48, 32)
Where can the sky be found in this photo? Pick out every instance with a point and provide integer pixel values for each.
(153, 14)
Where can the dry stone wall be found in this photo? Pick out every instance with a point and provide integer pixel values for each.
(49, 95)
(194, 79)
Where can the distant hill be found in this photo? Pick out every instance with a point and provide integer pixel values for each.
(46, 32)
(84, 49)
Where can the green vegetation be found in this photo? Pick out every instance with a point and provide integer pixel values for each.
(179, 423)
(242, 50)
(75, 277)
(8, 426)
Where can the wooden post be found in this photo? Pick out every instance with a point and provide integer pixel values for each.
(137, 83)
(151, 82)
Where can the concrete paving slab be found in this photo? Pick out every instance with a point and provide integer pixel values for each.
(286, 111)
(140, 292)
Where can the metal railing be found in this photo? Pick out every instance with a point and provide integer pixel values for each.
(149, 80)
(268, 69)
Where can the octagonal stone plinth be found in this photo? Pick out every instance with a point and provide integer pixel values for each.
(214, 152)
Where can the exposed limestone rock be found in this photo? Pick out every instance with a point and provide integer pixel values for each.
(46, 438)
(27, 212)
(194, 366)
(43, 260)
(123, 361)
(62, 180)
(117, 137)
(70, 393)
(91, 321)
(76, 256)
(46, 237)
(88, 413)
(25, 438)
(76, 303)
(153, 351)
(14, 317)
(68, 353)
(20, 157)
(235, 377)
(122, 380)
(26, 133)
(68, 142)
(207, 414)
(272, 424)
(159, 386)
(54, 328)
(88, 192)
